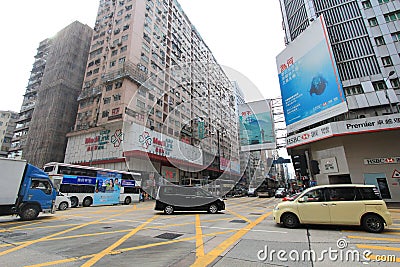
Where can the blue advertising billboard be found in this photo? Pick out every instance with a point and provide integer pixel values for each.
(256, 126)
(310, 85)
(108, 185)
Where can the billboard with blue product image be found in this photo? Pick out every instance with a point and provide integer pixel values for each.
(256, 126)
(309, 80)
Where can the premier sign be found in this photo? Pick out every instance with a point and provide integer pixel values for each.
(371, 124)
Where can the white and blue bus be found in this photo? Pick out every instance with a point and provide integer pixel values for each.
(88, 186)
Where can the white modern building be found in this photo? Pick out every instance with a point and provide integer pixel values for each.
(356, 139)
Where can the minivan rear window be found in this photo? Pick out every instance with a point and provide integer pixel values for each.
(369, 193)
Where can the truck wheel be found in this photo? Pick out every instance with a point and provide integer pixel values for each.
(213, 209)
(74, 202)
(87, 202)
(127, 201)
(29, 212)
(168, 210)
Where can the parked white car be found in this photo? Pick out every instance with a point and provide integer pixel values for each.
(62, 202)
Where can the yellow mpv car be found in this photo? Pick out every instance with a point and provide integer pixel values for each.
(348, 204)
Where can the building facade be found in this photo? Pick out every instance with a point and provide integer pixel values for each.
(360, 145)
(51, 113)
(29, 100)
(154, 97)
(7, 126)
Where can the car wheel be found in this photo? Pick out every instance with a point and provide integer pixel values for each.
(63, 206)
(74, 202)
(290, 220)
(373, 223)
(87, 202)
(127, 201)
(213, 209)
(168, 210)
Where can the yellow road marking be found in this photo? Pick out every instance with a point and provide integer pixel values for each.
(378, 247)
(374, 238)
(238, 215)
(56, 234)
(114, 232)
(102, 253)
(127, 249)
(199, 238)
(213, 254)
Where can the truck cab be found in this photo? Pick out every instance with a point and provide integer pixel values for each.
(26, 190)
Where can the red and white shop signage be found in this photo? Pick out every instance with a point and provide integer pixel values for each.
(309, 136)
(377, 161)
(371, 124)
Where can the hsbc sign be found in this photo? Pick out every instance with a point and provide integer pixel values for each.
(388, 160)
(309, 136)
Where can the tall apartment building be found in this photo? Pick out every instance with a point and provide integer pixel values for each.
(154, 96)
(7, 126)
(29, 101)
(359, 146)
(55, 103)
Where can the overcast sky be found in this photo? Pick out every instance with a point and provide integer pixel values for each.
(244, 36)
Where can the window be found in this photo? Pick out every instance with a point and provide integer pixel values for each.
(118, 85)
(124, 48)
(114, 52)
(353, 90)
(142, 91)
(41, 185)
(342, 194)
(315, 196)
(140, 104)
(107, 100)
(124, 38)
(112, 63)
(369, 193)
(121, 60)
(366, 4)
(104, 114)
(387, 61)
(384, 1)
(396, 36)
(395, 83)
(117, 97)
(379, 41)
(109, 87)
(393, 16)
(380, 85)
(372, 22)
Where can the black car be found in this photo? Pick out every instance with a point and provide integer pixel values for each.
(171, 198)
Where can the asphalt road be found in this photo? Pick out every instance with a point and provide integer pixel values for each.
(136, 235)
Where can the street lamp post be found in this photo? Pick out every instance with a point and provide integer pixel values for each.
(386, 93)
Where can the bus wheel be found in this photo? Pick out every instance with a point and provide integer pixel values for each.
(87, 202)
(74, 202)
(127, 201)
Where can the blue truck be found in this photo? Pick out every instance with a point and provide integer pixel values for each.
(25, 190)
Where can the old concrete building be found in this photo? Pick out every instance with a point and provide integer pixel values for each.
(7, 126)
(56, 103)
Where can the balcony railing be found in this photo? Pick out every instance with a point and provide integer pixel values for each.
(129, 71)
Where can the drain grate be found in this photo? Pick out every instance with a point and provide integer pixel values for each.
(169, 236)
(107, 227)
(238, 221)
(253, 213)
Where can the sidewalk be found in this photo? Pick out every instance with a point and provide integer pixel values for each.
(393, 205)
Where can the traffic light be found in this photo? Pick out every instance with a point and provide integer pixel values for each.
(300, 164)
(314, 167)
